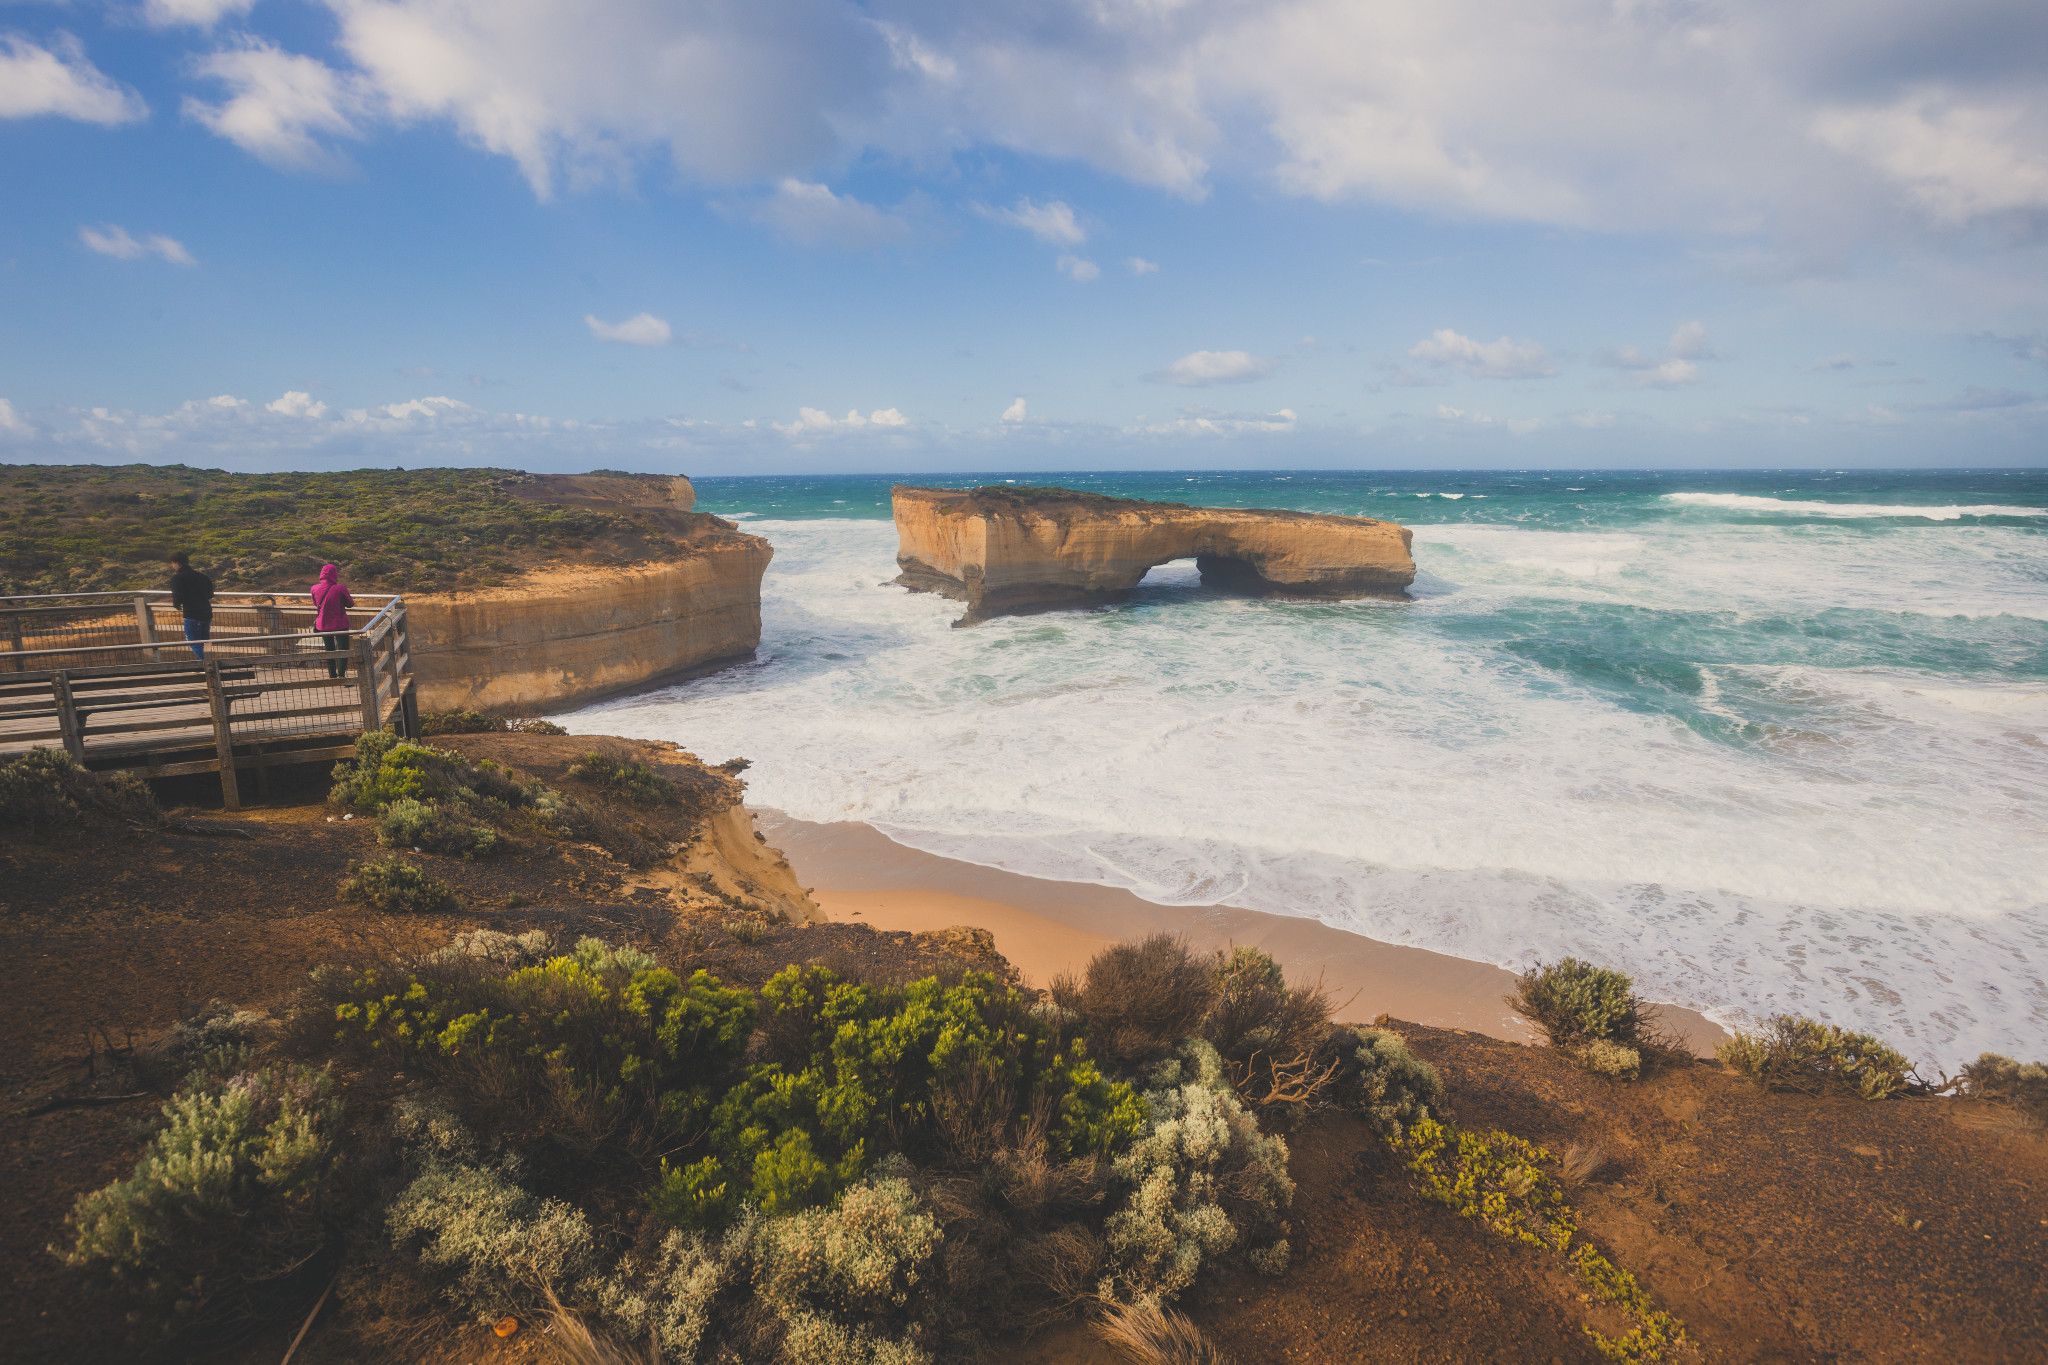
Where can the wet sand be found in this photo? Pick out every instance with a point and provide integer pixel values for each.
(1048, 927)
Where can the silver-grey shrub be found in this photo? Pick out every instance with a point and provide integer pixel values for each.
(1201, 1180)
(228, 1196)
(842, 1279)
(1382, 1081)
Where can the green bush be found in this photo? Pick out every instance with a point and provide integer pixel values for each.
(397, 887)
(460, 721)
(1199, 1181)
(1604, 1057)
(628, 778)
(1380, 1079)
(859, 1067)
(1995, 1077)
(1794, 1053)
(44, 791)
(1574, 1002)
(228, 1197)
(436, 828)
(568, 1051)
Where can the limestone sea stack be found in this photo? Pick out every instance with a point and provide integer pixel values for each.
(559, 636)
(1009, 550)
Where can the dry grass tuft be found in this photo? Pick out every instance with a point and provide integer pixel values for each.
(1154, 1335)
(1579, 1164)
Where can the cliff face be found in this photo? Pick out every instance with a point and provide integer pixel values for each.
(563, 636)
(1005, 551)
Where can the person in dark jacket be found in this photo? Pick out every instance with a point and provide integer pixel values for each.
(331, 601)
(192, 593)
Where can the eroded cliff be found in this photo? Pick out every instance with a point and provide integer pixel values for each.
(1009, 550)
(688, 603)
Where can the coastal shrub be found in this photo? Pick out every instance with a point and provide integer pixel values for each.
(1574, 1002)
(395, 886)
(460, 721)
(1605, 1057)
(1498, 1180)
(628, 778)
(1382, 1081)
(678, 1302)
(1791, 1052)
(856, 1070)
(436, 828)
(2000, 1078)
(45, 791)
(1264, 1029)
(1140, 999)
(1199, 1181)
(743, 930)
(473, 1228)
(846, 1280)
(229, 1196)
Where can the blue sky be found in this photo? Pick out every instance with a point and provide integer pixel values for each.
(795, 235)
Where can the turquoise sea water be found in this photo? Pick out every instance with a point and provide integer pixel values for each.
(1768, 741)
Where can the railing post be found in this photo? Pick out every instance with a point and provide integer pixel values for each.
(14, 639)
(273, 619)
(223, 738)
(67, 715)
(366, 682)
(145, 627)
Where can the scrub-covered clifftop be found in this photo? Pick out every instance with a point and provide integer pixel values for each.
(1009, 550)
(523, 591)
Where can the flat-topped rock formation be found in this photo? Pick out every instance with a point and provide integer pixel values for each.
(1008, 550)
(559, 636)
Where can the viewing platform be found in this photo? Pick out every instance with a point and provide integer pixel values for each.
(111, 678)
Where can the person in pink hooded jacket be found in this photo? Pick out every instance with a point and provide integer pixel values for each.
(331, 601)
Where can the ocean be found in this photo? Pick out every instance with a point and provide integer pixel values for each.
(1767, 741)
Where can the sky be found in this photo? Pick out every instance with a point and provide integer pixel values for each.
(784, 236)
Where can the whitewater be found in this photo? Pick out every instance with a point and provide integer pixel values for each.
(1767, 742)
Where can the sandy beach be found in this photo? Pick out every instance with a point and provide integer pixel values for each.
(1047, 927)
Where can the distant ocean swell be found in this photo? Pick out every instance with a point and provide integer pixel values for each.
(1763, 764)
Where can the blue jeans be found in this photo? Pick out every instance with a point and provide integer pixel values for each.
(197, 631)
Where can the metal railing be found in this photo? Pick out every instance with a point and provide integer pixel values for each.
(111, 678)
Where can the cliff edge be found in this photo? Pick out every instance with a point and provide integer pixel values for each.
(680, 600)
(1005, 551)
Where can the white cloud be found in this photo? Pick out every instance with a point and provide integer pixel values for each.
(812, 215)
(813, 420)
(279, 104)
(439, 406)
(1677, 370)
(12, 421)
(1199, 369)
(642, 329)
(1053, 222)
(1519, 426)
(1014, 412)
(1078, 270)
(297, 403)
(1140, 266)
(109, 240)
(1956, 159)
(1502, 359)
(195, 13)
(60, 81)
(1207, 422)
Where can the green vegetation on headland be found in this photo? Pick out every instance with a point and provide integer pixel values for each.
(97, 528)
(810, 1158)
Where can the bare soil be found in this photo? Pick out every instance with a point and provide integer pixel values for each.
(1779, 1228)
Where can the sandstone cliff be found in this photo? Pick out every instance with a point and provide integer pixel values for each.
(1010, 550)
(560, 636)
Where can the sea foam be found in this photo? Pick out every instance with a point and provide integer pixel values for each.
(1734, 760)
(1800, 507)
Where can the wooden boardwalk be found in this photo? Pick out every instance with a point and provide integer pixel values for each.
(110, 679)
